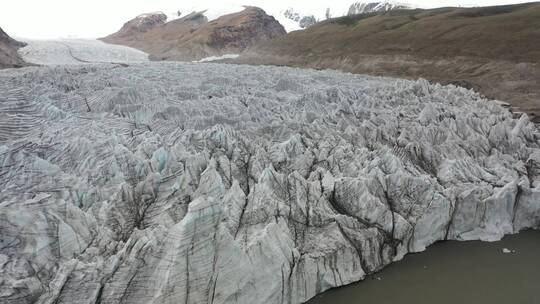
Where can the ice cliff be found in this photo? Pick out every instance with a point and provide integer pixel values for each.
(208, 183)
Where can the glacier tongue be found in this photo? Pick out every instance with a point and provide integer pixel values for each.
(191, 183)
(78, 51)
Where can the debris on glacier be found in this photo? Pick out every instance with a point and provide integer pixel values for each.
(190, 183)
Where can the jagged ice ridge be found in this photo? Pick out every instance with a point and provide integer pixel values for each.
(209, 183)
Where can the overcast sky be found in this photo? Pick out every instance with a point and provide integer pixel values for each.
(41, 19)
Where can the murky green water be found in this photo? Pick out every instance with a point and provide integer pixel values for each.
(453, 272)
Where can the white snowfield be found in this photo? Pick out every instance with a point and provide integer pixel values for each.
(78, 51)
(208, 183)
(216, 58)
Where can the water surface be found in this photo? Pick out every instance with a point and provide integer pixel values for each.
(453, 272)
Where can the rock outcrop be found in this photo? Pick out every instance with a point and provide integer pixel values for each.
(206, 183)
(193, 37)
(8, 51)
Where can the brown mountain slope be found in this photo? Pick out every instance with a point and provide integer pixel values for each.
(193, 37)
(132, 30)
(8, 52)
(495, 50)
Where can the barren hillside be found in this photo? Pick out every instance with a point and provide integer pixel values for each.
(8, 51)
(193, 37)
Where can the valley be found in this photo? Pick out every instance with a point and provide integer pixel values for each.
(377, 152)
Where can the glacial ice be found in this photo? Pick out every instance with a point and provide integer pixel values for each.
(78, 51)
(210, 183)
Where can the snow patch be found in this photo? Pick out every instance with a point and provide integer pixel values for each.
(216, 58)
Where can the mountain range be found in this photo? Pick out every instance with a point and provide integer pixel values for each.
(301, 20)
(213, 32)
(194, 36)
(206, 33)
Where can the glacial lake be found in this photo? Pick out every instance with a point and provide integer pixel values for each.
(453, 273)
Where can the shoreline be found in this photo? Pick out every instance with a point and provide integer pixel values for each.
(419, 277)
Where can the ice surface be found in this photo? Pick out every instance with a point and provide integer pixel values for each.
(78, 51)
(209, 183)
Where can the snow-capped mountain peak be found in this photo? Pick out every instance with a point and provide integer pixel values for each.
(292, 20)
(298, 18)
(292, 17)
(373, 7)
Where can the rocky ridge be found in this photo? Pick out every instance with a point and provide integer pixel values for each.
(242, 184)
(8, 51)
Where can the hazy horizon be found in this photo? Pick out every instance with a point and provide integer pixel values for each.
(33, 19)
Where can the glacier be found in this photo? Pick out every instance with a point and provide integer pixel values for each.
(77, 52)
(213, 183)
